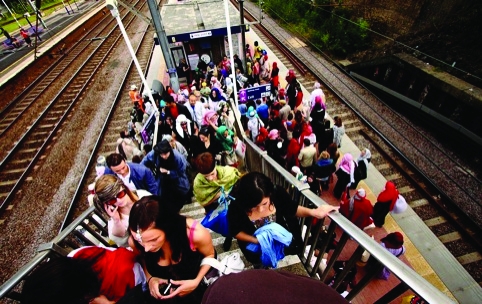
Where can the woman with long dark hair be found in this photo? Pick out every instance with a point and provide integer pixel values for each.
(258, 202)
(172, 247)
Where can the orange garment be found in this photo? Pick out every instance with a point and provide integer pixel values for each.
(136, 97)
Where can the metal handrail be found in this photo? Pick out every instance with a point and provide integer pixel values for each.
(413, 280)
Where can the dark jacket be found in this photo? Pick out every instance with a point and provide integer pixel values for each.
(141, 177)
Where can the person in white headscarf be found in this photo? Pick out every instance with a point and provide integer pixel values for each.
(361, 169)
(229, 87)
(254, 123)
(184, 131)
(317, 92)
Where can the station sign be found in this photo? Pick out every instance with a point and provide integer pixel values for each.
(236, 29)
(200, 34)
(254, 93)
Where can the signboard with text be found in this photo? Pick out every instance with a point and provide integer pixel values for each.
(255, 93)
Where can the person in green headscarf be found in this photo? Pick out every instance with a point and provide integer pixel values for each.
(228, 141)
(211, 183)
(208, 182)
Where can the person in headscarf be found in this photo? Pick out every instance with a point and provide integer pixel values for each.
(317, 92)
(361, 169)
(184, 132)
(293, 150)
(275, 75)
(318, 123)
(229, 87)
(228, 141)
(262, 138)
(214, 98)
(210, 119)
(205, 90)
(345, 174)
(291, 88)
(254, 123)
(385, 203)
(393, 242)
(299, 97)
(276, 147)
(357, 209)
(171, 176)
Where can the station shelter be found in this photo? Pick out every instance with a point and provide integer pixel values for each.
(196, 30)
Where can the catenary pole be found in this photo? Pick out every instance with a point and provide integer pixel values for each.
(161, 35)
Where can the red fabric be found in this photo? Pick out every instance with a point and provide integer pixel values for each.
(292, 153)
(362, 210)
(281, 94)
(390, 194)
(113, 268)
(275, 80)
(299, 98)
(174, 112)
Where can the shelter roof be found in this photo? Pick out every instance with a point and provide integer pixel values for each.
(180, 17)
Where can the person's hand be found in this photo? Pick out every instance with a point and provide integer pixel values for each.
(112, 212)
(183, 288)
(154, 286)
(217, 157)
(101, 300)
(323, 211)
(162, 170)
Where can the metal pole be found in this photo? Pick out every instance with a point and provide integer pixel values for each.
(139, 70)
(13, 15)
(230, 43)
(75, 2)
(243, 35)
(71, 9)
(161, 35)
(65, 6)
(38, 14)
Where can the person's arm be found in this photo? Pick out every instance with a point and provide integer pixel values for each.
(319, 212)
(180, 168)
(151, 182)
(204, 245)
(243, 236)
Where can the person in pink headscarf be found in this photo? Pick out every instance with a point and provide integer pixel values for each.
(210, 119)
(317, 92)
(345, 174)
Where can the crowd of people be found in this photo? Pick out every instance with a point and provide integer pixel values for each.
(141, 188)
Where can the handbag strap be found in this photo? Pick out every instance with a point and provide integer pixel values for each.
(214, 263)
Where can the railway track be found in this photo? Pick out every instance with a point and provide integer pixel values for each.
(75, 76)
(448, 220)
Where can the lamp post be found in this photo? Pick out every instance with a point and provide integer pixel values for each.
(26, 15)
(230, 43)
(243, 35)
(35, 9)
(112, 6)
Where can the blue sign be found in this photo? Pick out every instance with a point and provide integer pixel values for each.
(236, 29)
(254, 93)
